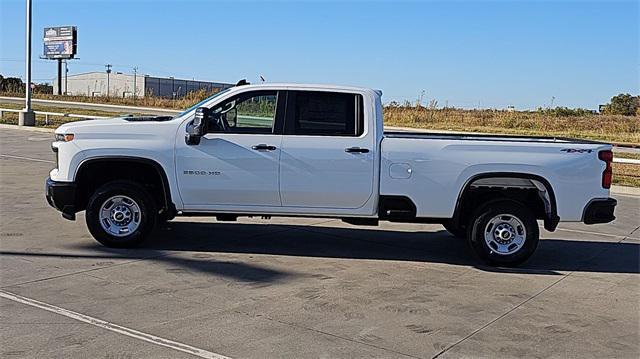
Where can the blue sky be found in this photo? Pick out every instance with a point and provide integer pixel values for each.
(465, 54)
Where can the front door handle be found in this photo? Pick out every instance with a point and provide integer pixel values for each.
(263, 147)
(356, 150)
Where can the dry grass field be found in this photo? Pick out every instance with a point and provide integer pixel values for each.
(559, 122)
(148, 101)
(563, 123)
(613, 128)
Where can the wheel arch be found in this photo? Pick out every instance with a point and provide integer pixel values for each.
(509, 180)
(166, 199)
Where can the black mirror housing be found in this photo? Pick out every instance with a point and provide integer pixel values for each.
(197, 128)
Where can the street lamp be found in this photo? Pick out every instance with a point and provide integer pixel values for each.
(27, 117)
(108, 66)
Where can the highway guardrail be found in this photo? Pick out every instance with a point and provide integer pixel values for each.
(94, 106)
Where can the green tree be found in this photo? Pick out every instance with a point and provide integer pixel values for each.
(11, 84)
(623, 104)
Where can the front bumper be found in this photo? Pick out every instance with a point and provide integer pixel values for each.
(599, 211)
(62, 196)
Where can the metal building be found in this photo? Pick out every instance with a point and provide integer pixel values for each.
(124, 85)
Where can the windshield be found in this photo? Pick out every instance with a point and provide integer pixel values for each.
(203, 101)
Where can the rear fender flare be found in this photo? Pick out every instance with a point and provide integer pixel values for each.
(545, 191)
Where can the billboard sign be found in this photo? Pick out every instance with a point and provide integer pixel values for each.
(60, 42)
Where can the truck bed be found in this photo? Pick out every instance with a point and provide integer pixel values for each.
(432, 168)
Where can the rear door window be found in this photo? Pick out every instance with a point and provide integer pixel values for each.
(316, 113)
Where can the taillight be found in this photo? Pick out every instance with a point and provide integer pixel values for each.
(607, 174)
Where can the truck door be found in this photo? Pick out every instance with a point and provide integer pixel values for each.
(327, 158)
(236, 162)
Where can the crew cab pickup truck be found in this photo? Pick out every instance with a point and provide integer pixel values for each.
(321, 151)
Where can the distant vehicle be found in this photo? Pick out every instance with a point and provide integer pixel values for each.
(321, 151)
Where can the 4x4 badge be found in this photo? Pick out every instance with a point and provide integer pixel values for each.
(576, 150)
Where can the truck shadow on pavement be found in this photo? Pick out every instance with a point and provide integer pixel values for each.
(551, 257)
(198, 263)
(192, 247)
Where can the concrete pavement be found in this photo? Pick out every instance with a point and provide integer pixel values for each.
(293, 288)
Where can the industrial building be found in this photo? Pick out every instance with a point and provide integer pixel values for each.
(125, 85)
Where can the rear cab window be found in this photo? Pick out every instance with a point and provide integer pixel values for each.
(318, 113)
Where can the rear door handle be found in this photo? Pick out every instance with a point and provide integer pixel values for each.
(356, 150)
(263, 147)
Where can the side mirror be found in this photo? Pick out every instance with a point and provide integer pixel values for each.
(197, 128)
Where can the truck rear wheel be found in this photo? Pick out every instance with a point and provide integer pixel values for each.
(504, 233)
(120, 214)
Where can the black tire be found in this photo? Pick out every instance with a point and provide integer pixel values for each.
(145, 203)
(456, 231)
(480, 222)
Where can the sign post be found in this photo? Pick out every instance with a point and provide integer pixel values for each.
(60, 43)
(27, 117)
(59, 77)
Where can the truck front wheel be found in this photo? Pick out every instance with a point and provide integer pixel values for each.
(120, 214)
(504, 233)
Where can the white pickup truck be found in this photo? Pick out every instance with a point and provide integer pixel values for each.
(321, 151)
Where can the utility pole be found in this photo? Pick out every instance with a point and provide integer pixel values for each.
(135, 75)
(173, 90)
(27, 117)
(108, 66)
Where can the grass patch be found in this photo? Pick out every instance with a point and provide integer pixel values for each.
(633, 156)
(11, 118)
(625, 174)
(148, 101)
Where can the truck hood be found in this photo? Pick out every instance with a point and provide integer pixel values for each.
(116, 125)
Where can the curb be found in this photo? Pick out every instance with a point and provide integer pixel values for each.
(625, 190)
(26, 128)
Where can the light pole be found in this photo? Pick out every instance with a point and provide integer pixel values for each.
(27, 117)
(135, 74)
(108, 66)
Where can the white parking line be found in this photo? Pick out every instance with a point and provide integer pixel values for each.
(27, 158)
(113, 327)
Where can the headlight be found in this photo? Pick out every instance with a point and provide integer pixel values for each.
(64, 138)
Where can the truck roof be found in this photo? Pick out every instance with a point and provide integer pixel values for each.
(293, 85)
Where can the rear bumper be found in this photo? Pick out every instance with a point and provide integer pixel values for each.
(62, 196)
(599, 211)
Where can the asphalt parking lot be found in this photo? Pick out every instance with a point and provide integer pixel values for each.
(298, 288)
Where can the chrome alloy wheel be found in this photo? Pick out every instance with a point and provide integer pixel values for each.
(505, 234)
(120, 216)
